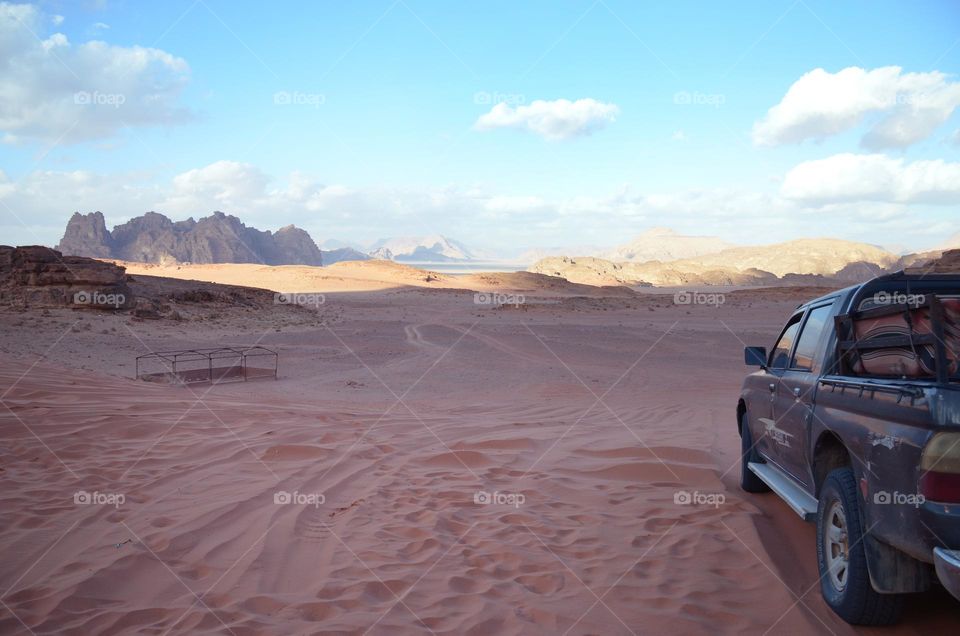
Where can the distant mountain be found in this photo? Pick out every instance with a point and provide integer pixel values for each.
(382, 253)
(663, 244)
(535, 254)
(344, 254)
(656, 244)
(951, 243)
(335, 244)
(434, 248)
(802, 256)
(797, 261)
(218, 238)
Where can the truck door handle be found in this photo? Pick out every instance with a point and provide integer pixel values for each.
(796, 391)
(773, 387)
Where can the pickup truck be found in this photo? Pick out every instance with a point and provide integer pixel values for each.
(853, 419)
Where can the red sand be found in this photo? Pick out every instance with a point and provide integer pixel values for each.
(587, 418)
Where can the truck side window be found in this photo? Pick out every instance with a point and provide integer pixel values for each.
(810, 338)
(780, 355)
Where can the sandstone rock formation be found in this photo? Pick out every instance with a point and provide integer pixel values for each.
(37, 276)
(664, 244)
(948, 262)
(219, 238)
(87, 235)
(803, 261)
(824, 257)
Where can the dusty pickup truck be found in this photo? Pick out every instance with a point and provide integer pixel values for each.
(853, 419)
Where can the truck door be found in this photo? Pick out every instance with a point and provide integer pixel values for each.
(770, 441)
(793, 399)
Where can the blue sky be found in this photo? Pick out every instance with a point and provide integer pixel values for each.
(383, 133)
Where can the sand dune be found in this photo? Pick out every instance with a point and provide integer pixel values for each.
(353, 276)
(400, 409)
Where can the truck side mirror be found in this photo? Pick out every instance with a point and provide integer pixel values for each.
(755, 356)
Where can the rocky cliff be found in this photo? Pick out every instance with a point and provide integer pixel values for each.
(37, 276)
(218, 238)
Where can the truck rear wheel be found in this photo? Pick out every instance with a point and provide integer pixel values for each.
(844, 578)
(749, 482)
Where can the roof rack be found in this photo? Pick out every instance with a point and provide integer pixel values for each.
(209, 365)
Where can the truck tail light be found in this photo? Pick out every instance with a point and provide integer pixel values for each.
(940, 468)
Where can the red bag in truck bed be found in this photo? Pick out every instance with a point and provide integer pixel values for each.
(918, 361)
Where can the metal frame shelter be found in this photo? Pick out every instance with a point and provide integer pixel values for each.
(213, 365)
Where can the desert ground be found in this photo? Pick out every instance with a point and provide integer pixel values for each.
(426, 462)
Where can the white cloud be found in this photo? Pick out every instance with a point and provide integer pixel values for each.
(52, 90)
(852, 177)
(35, 209)
(554, 120)
(900, 108)
(223, 183)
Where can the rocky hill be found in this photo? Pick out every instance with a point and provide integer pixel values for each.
(218, 238)
(947, 262)
(802, 261)
(37, 276)
(664, 244)
(824, 257)
(342, 254)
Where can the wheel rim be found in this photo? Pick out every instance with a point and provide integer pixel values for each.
(835, 546)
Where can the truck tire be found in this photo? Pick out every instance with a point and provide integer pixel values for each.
(844, 578)
(749, 482)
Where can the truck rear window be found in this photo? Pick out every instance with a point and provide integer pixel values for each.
(807, 345)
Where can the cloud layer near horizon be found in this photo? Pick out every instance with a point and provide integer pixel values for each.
(38, 206)
(850, 177)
